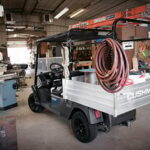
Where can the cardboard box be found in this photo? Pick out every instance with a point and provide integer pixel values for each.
(131, 32)
(141, 32)
(126, 32)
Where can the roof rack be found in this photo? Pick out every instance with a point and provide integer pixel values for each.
(78, 35)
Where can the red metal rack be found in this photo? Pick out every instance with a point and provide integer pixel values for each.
(141, 12)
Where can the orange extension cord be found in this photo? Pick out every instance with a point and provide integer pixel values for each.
(112, 68)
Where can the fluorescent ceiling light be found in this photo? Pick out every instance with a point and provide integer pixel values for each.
(1, 11)
(61, 13)
(20, 27)
(76, 13)
(10, 30)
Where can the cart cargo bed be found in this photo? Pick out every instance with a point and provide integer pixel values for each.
(93, 96)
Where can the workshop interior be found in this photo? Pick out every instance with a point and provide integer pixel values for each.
(74, 74)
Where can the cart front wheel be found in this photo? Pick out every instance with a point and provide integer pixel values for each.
(33, 106)
(82, 130)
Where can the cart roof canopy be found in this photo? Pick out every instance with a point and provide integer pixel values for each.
(77, 35)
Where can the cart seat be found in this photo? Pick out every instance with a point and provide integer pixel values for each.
(57, 91)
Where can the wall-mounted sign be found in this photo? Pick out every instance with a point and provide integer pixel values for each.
(128, 45)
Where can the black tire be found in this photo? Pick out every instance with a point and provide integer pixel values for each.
(34, 107)
(82, 130)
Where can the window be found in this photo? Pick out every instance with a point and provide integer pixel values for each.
(18, 53)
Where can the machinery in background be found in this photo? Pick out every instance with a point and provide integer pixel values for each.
(11, 77)
(19, 70)
(8, 86)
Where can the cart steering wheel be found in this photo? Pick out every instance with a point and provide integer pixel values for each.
(56, 68)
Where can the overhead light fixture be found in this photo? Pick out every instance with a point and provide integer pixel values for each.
(15, 35)
(76, 13)
(61, 13)
(19, 27)
(1, 11)
(9, 30)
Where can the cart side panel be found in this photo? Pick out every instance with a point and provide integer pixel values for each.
(132, 97)
(89, 95)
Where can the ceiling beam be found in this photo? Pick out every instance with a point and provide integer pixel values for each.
(24, 5)
(14, 10)
(35, 5)
(107, 9)
(58, 5)
(42, 11)
(146, 1)
(91, 4)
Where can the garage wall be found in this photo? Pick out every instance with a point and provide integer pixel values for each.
(29, 20)
(58, 26)
(52, 29)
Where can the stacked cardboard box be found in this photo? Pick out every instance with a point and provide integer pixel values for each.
(131, 32)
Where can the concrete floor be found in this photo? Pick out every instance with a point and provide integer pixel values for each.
(47, 131)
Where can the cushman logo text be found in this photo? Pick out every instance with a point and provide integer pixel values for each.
(137, 94)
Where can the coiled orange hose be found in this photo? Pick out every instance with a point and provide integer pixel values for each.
(111, 65)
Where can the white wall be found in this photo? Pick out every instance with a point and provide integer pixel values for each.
(58, 26)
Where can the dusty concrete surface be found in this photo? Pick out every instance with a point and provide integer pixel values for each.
(47, 131)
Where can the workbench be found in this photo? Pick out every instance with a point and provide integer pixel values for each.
(83, 64)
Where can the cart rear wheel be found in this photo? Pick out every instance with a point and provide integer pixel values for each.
(82, 130)
(33, 106)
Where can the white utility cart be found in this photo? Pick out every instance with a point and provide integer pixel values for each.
(76, 96)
